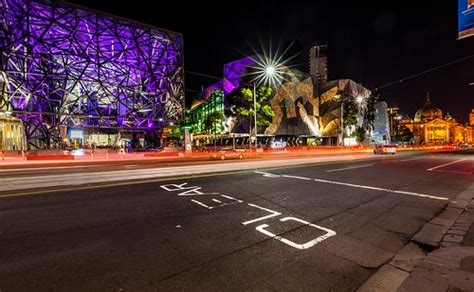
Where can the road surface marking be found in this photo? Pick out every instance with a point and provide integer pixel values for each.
(296, 177)
(446, 164)
(311, 243)
(176, 187)
(267, 174)
(411, 159)
(260, 228)
(201, 204)
(273, 214)
(231, 198)
(351, 167)
(77, 181)
(380, 189)
(117, 184)
(140, 181)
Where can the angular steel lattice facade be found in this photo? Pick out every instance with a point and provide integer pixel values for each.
(63, 66)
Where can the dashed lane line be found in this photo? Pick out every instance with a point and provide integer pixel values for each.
(350, 167)
(271, 175)
(411, 159)
(446, 164)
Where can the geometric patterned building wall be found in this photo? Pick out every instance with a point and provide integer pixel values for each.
(66, 66)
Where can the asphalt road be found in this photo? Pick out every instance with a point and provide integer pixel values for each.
(316, 227)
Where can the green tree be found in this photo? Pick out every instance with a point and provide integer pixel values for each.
(360, 134)
(350, 113)
(369, 112)
(243, 107)
(403, 134)
(175, 132)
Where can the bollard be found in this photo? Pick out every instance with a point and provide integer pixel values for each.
(92, 155)
(23, 154)
(3, 154)
(107, 154)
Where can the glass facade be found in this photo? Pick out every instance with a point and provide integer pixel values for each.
(64, 66)
(11, 134)
(199, 115)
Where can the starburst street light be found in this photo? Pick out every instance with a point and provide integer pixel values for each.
(269, 70)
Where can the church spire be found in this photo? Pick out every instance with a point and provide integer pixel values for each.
(428, 101)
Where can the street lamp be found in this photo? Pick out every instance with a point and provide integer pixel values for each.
(268, 71)
(360, 103)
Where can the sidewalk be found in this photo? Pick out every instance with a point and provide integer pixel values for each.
(440, 257)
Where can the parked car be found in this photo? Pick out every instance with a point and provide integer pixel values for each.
(385, 149)
(228, 153)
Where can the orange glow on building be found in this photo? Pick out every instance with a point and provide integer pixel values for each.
(430, 127)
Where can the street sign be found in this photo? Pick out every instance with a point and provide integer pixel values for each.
(465, 18)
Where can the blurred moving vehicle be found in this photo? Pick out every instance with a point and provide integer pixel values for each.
(385, 149)
(229, 153)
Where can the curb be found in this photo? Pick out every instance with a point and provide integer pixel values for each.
(446, 230)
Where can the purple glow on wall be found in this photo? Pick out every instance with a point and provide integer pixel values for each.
(234, 71)
(68, 66)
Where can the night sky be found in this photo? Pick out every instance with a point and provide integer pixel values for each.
(371, 43)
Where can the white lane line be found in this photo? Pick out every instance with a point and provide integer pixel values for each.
(296, 177)
(351, 167)
(446, 164)
(367, 187)
(267, 174)
(411, 159)
(382, 189)
(77, 179)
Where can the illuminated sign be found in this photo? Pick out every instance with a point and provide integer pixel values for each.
(465, 18)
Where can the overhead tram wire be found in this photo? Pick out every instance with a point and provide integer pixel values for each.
(375, 89)
(424, 72)
(203, 75)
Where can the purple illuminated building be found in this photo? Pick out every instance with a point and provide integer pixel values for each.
(64, 67)
(235, 71)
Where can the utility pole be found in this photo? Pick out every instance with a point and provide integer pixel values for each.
(255, 112)
(342, 121)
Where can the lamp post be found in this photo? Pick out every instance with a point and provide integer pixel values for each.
(255, 112)
(359, 100)
(342, 121)
(269, 74)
